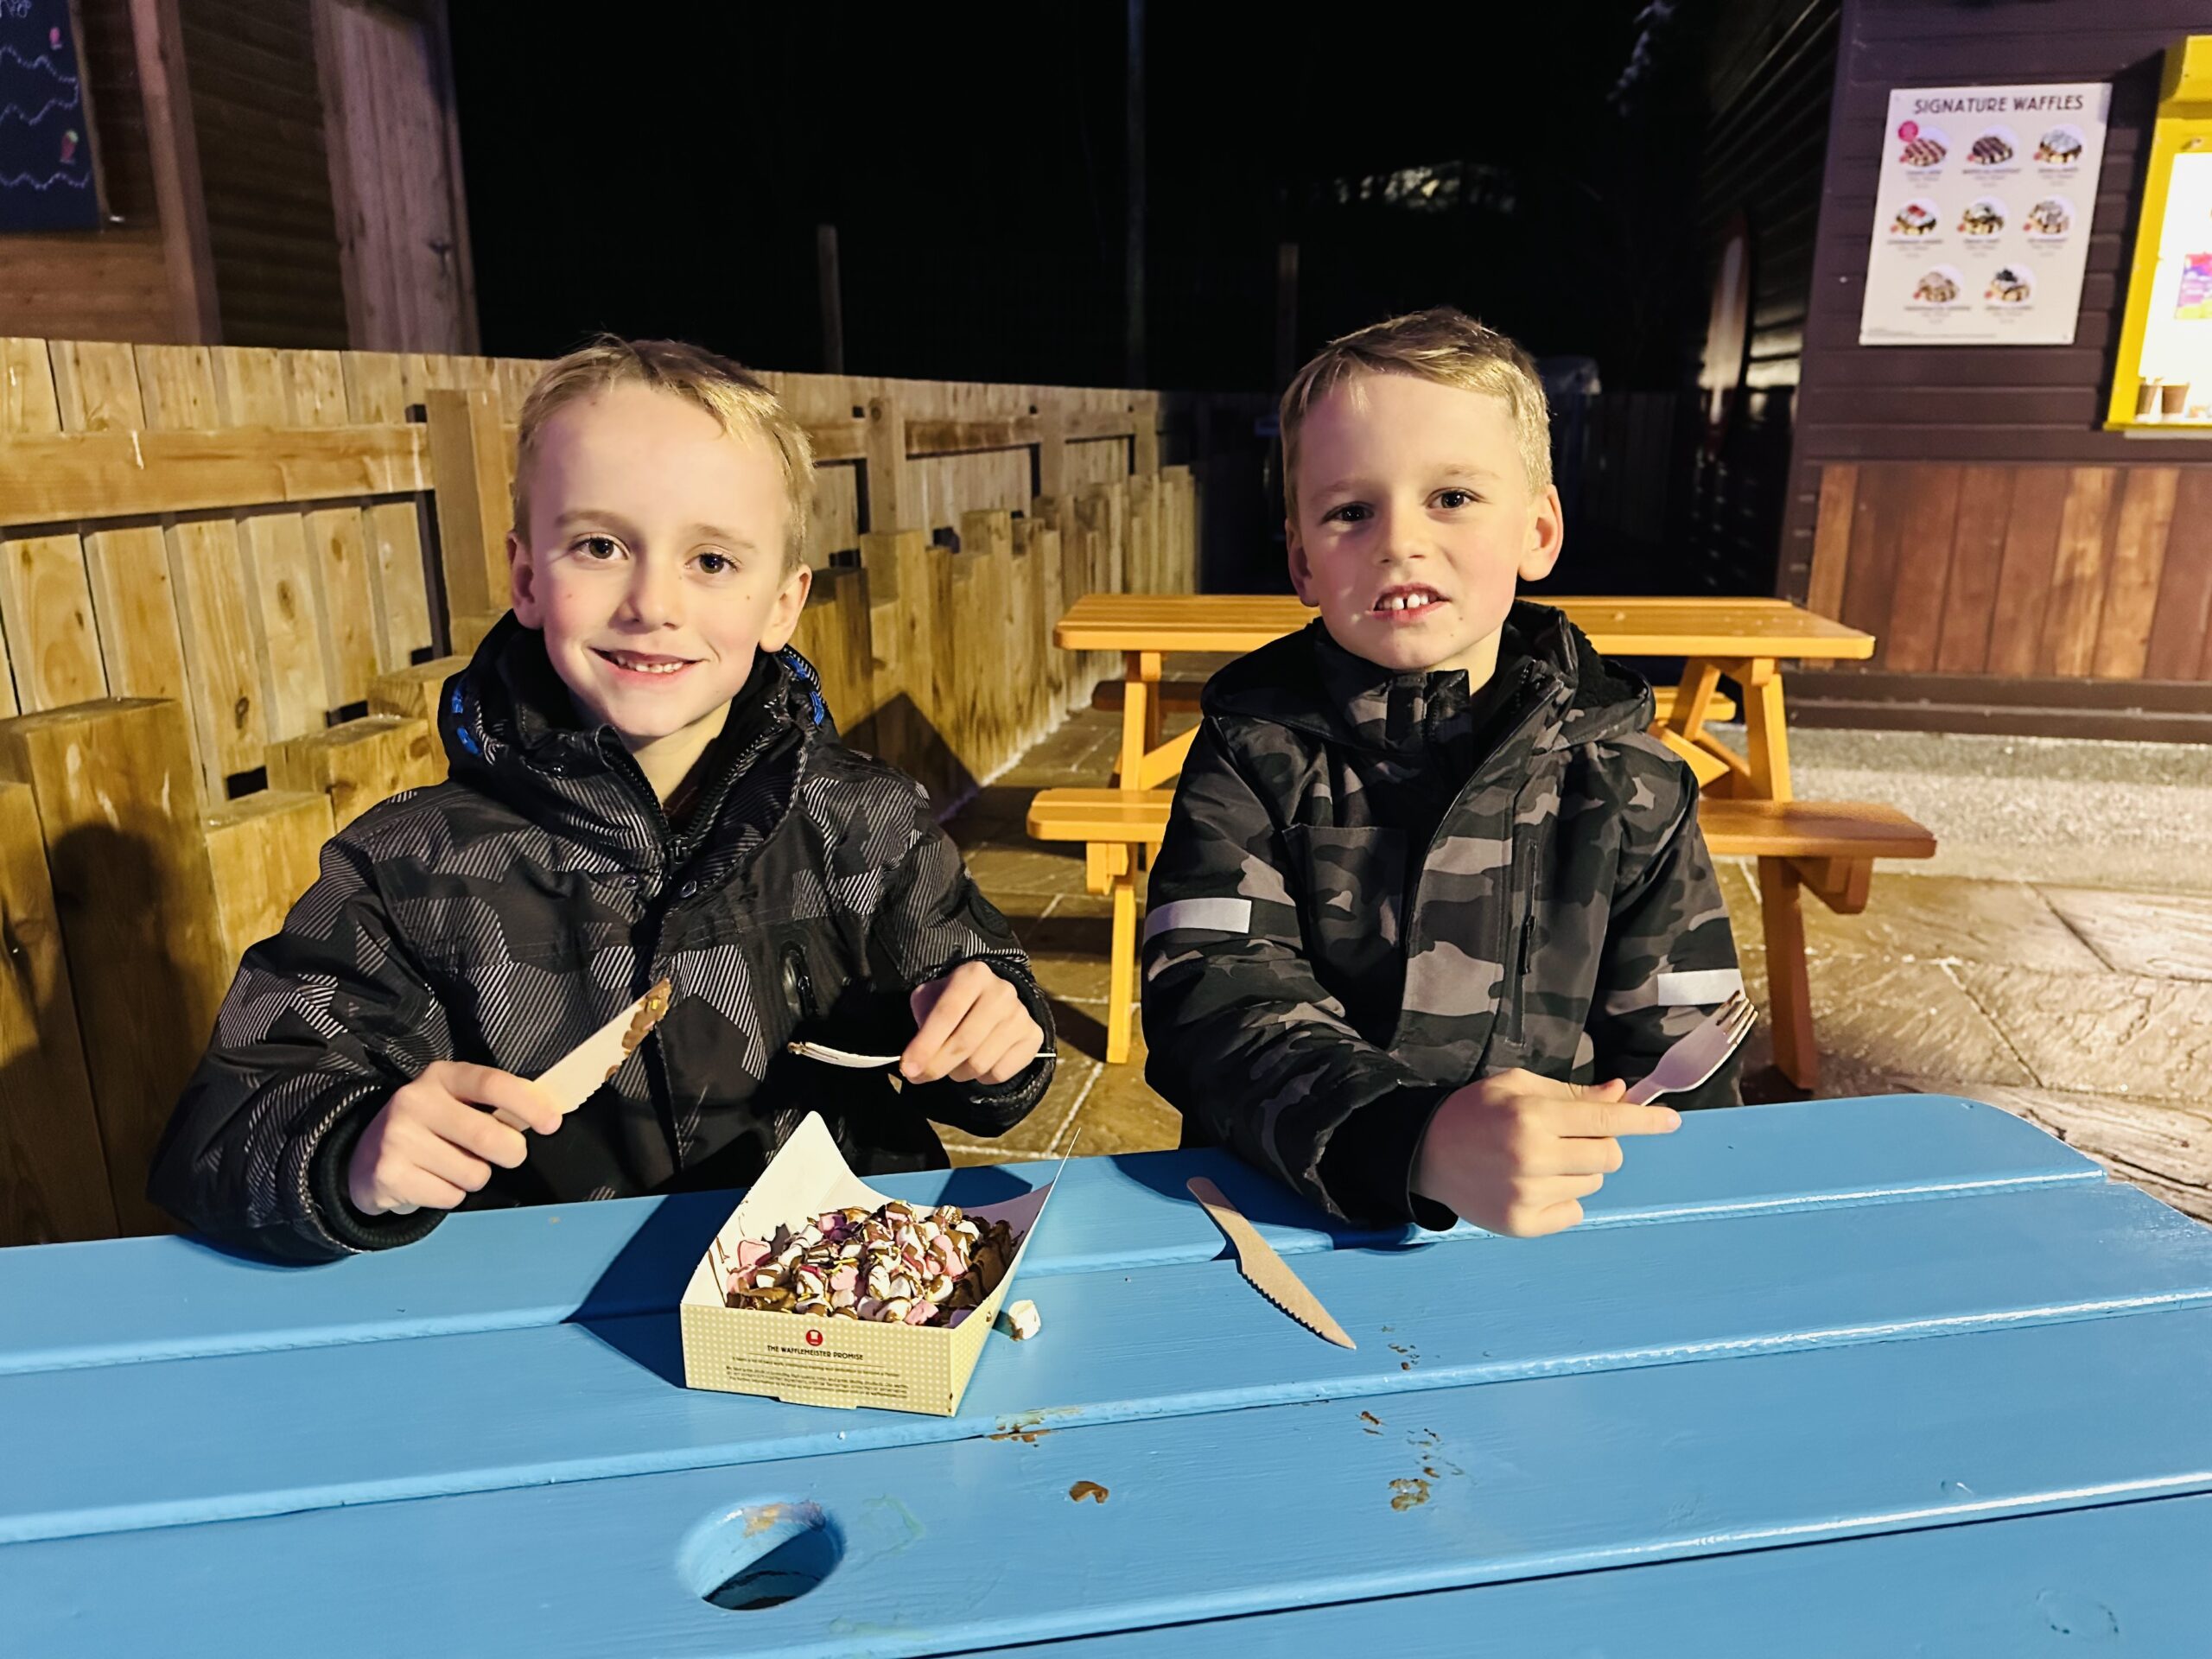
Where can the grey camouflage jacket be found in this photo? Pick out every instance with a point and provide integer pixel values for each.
(1376, 889)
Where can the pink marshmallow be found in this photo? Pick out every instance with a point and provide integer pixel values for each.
(750, 1253)
(921, 1313)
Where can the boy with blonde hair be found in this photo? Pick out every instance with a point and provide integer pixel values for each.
(645, 785)
(1430, 891)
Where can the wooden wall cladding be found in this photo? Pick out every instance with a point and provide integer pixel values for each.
(1984, 408)
(2020, 572)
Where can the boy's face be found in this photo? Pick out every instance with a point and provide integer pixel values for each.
(654, 565)
(1416, 521)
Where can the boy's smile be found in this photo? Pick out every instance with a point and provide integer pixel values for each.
(1415, 521)
(655, 566)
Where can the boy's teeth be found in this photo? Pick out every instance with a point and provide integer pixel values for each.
(1403, 602)
(640, 667)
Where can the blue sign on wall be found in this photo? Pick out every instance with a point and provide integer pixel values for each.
(47, 181)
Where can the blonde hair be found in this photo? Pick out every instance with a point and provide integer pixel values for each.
(731, 393)
(1441, 345)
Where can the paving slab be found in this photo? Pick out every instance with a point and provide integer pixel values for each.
(2098, 1033)
(2163, 935)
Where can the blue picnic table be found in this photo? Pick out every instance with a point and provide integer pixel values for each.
(1872, 1376)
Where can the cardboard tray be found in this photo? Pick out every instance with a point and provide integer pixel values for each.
(820, 1362)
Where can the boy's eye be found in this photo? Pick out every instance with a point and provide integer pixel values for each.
(1350, 514)
(1455, 498)
(714, 563)
(600, 548)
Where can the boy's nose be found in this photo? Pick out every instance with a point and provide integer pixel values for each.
(656, 594)
(1404, 535)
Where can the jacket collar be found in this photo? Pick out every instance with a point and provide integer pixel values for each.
(1308, 682)
(512, 729)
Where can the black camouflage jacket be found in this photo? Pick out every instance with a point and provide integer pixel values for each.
(502, 915)
(1376, 889)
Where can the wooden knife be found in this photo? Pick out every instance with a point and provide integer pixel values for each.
(579, 1074)
(1270, 1276)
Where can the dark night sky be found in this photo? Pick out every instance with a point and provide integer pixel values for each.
(669, 181)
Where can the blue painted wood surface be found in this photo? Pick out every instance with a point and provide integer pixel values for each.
(1907, 1318)
(134, 1299)
(598, 1401)
(976, 1542)
(2091, 1581)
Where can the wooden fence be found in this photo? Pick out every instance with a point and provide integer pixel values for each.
(232, 581)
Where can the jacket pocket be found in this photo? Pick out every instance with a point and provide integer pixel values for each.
(1350, 886)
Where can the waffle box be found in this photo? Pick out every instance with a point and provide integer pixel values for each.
(814, 1361)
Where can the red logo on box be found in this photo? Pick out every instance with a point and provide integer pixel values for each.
(814, 1338)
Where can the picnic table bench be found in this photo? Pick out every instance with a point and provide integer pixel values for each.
(1828, 847)
(1892, 1374)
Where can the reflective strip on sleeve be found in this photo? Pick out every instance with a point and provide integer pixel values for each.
(1712, 985)
(1207, 915)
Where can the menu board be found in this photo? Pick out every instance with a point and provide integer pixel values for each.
(47, 181)
(1981, 218)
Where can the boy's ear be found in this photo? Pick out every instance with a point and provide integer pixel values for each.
(782, 616)
(1301, 571)
(1547, 534)
(522, 584)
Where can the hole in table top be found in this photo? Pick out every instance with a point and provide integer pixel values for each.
(760, 1555)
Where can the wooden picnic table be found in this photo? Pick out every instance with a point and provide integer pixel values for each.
(1746, 639)
(1894, 1374)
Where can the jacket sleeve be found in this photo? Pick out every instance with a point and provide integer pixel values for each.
(1670, 957)
(932, 919)
(1245, 1041)
(322, 1023)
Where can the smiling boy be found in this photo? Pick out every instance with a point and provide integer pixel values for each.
(644, 784)
(1430, 892)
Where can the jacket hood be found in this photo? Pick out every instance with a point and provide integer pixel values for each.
(512, 729)
(1308, 682)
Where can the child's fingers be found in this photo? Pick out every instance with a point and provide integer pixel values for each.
(1006, 1053)
(954, 995)
(427, 1148)
(484, 1137)
(1573, 1155)
(411, 1189)
(1602, 1118)
(486, 1085)
(1555, 1219)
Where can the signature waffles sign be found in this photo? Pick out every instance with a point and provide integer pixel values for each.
(1981, 216)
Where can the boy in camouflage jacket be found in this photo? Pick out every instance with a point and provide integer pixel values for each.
(1431, 893)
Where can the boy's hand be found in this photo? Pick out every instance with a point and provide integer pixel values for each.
(973, 1029)
(1517, 1154)
(431, 1146)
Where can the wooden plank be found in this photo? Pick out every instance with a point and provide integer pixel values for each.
(1876, 539)
(112, 474)
(357, 764)
(263, 851)
(281, 583)
(911, 725)
(113, 784)
(376, 388)
(401, 593)
(1885, 1273)
(170, 1300)
(97, 382)
(53, 1174)
(251, 386)
(2025, 578)
(45, 605)
(1952, 1590)
(2138, 558)
(891, 504)
(1977, 557)
(414, 694)
(223, 678)
(28, 403)
(2065, 1417)
(2077, 578)
(470, 473)
(1927, 523)
(315, 388)
(2181, 630)
(136, 607)
(345, 608)
(834, 635)
(178, 383)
